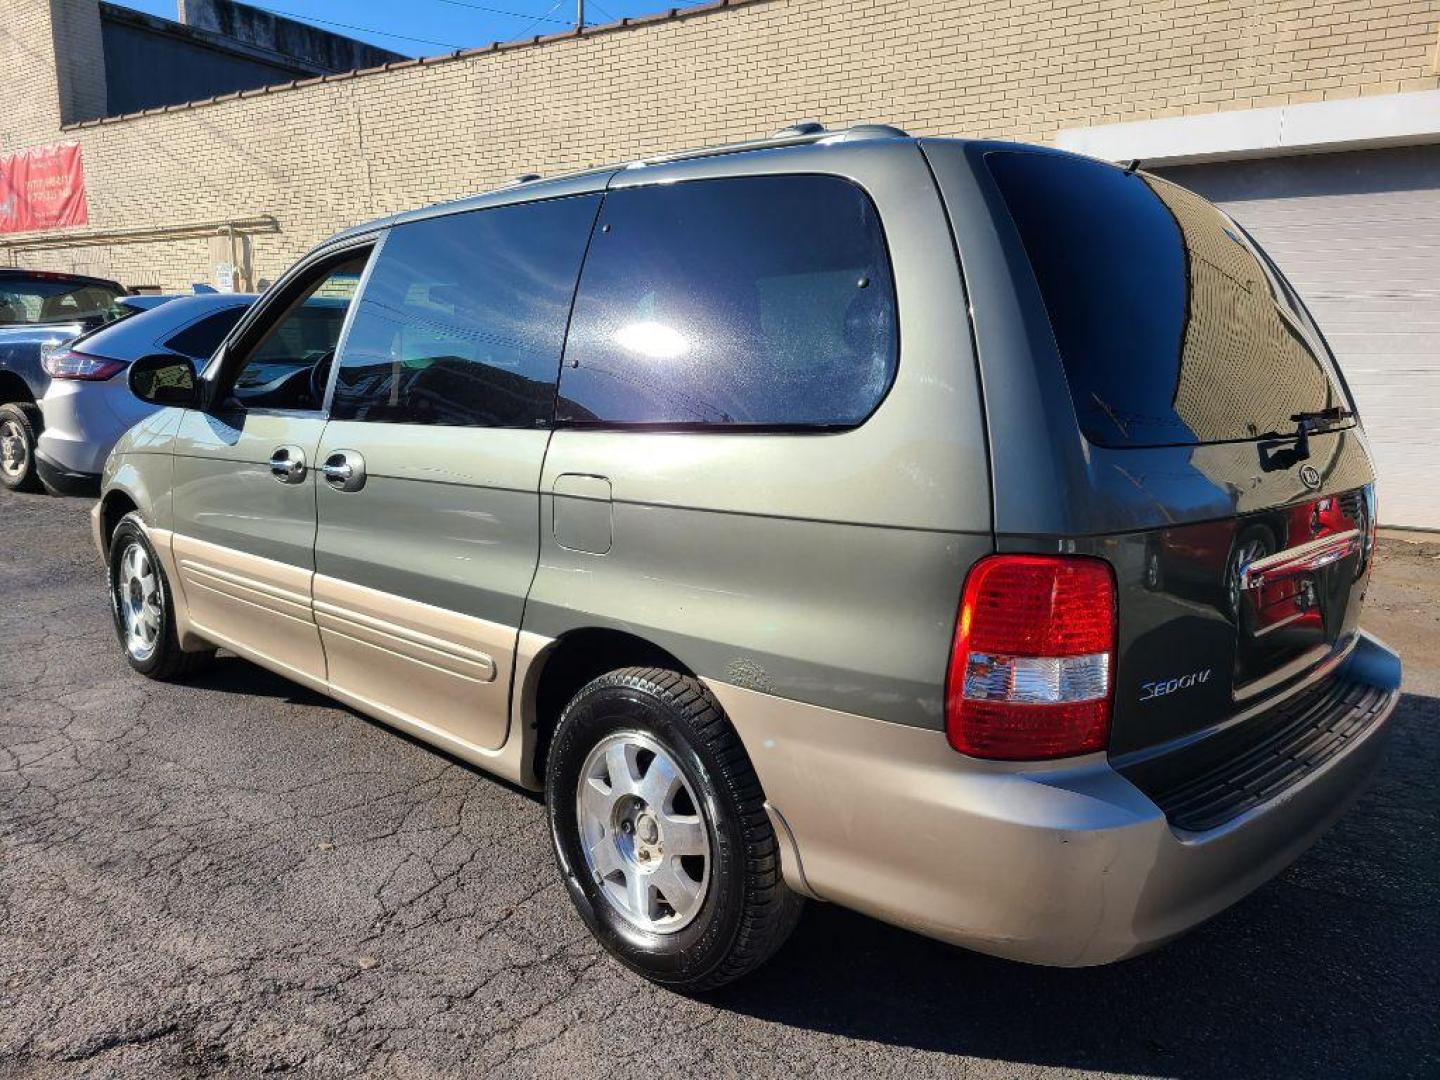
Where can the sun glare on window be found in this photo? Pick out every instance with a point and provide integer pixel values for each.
(653, 339)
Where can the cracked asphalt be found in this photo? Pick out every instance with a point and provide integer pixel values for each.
(237, 876)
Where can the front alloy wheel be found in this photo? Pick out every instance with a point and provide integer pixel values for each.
(141, 606)
(19, 425)
(140, 602)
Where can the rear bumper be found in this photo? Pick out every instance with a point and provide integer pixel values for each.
(1065, 865)
(83, 421)
(63, 481)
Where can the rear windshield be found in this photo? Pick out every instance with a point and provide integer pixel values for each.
(1171, 330)
(40, 300)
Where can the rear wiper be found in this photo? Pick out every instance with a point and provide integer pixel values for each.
(1323, 416)
(1306, 424)
(1313, 423)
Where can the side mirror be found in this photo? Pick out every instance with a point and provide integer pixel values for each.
(164, 379)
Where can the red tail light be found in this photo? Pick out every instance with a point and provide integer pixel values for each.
(1032, 669)
(69, 364)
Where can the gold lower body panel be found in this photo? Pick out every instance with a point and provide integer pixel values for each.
(443, 676)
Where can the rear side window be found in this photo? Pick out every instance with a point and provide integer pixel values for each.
(462, 320)
(49, 300)
(1170, 329)
(200, 339)
(751, 302)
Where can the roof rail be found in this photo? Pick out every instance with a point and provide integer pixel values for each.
(859, 132)
(802, 127)
(799, 134)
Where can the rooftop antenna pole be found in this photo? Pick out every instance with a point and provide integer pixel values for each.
(579, 14)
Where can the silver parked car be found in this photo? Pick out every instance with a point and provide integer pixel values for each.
(88, 404)
(968, 533)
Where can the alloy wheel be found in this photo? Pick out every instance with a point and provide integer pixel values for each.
(137, 595)
(14, 449)
(644, 835)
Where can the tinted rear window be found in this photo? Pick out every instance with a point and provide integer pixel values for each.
(53, 300)
(1169, 328)
(200, 339)
(749, 302)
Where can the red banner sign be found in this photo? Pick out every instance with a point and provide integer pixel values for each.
(42, 188)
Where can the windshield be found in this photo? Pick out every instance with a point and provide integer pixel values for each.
(1171, 327)
(32, 301)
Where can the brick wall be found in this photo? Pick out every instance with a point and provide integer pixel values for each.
(323, 156)
(29, 97)
(81, 77)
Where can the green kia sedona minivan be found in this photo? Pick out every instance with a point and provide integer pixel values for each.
(967, 533)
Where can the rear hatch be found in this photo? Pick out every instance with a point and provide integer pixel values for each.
(1147, 377)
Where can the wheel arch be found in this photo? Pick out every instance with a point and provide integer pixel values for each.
(15, 389)
(114, 505)
(568, 663)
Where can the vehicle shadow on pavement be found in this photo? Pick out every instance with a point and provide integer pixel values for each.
(1330, 969)
(229, 674)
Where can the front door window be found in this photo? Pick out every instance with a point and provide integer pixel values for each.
(288, 365)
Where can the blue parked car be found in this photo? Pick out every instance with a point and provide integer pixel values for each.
(39, 310)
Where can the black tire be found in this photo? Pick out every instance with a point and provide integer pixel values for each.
(747, 911)
(167, 661)
(24, 419)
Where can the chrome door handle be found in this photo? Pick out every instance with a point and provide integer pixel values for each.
(287, 464)
(344, 470)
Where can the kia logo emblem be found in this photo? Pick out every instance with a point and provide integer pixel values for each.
(1309, 476)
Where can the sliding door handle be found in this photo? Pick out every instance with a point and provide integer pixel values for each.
(344, 470)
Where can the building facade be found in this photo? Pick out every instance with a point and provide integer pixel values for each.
(1317, 124)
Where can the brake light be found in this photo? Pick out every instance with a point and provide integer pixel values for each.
(1032, 666)
(69, 364)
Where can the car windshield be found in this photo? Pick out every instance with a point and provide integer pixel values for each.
(35, 301)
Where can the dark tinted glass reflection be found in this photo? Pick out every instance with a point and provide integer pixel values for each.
(463, 318)
(163, 381)
(1170, 330)
(762, 301)
(201, 339)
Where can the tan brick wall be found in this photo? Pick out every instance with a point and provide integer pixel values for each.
(324, 156)
(29, 100)
(81, 78)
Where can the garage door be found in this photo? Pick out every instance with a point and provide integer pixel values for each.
(1359, 236)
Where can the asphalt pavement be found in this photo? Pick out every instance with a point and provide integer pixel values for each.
(238, 876)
